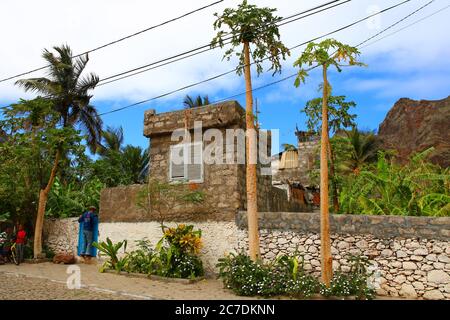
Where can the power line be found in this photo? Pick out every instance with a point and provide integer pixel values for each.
(394, 24)
(407, 26)
(231, 71)
(120, 39)
(358, 45)
(206, 47)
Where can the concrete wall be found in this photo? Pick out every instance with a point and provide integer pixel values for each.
(218, 237)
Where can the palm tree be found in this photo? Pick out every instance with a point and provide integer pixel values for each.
(197, 102)
(69, 93)
(255, 26)
(112, 140)
(135, 163)
(319, 55)
(363, 149)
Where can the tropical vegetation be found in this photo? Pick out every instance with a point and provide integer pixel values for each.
(174, 256)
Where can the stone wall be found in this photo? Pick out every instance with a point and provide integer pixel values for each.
(219, 237)
(410, 255)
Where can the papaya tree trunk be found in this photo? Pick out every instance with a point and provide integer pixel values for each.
(43, 196)
(325, 242)
(333, 178)
(250, 153)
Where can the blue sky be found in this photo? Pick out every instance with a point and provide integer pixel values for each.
(413, 63)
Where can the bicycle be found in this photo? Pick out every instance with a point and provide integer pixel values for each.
(12, 255)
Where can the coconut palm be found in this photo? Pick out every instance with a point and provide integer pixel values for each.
(363, 149)
(69, 92)
(197, 102)
(251, 25)
(112, 140)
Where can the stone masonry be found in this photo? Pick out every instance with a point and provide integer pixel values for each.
(410, 255)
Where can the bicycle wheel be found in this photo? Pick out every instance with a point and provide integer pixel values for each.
(14, 255)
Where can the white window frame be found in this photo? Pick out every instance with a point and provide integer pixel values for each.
(186, 147)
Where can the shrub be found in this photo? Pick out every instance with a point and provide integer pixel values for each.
(177, 252)
(286, 276)
(175, 255)
(141, 260)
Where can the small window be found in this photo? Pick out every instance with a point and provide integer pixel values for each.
(186, 162)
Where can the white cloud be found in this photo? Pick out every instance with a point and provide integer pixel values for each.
(33, 25)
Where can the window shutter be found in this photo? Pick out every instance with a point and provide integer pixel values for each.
(177, 162)
(195, 164)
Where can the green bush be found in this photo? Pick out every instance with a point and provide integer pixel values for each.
(286, 276)
(174, 256)
(141, 260)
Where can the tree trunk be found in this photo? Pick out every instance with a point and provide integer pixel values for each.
(43, 196)
(250, 153)
(325, 243)
(333, 177)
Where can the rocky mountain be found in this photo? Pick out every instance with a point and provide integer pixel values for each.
(412, 126)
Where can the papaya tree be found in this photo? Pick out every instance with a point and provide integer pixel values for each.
(339, 118)
(253, 33)
(326, 54)
(69, 92)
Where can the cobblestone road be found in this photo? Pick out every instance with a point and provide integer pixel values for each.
(19, 287)
(37, 281)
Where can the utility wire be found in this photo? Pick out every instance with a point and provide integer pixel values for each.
(119, 40)
(231, 71)
(407, 26)
(358, 45)
(394, 24)
(206, 47)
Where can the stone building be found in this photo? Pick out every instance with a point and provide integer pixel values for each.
(223, 182)
(291, 168)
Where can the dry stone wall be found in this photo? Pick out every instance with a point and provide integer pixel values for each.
(410, 256)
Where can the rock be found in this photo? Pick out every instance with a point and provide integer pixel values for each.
(65, 258)
(396, 264)
(343, 245)
(416, 258)
(409, 265)
(401, 254)
(443, 258)
(386, 253)
(438, 277)
(282, 241)
(408, 291)
(418, 285)
(418, 125)
(431, 257)
(433, 295)
(400, 279)
(421, 252)
(362, 244)
(438, 265)
(447, 288)
(312, 249)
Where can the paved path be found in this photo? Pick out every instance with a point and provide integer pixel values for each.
(48, 281)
